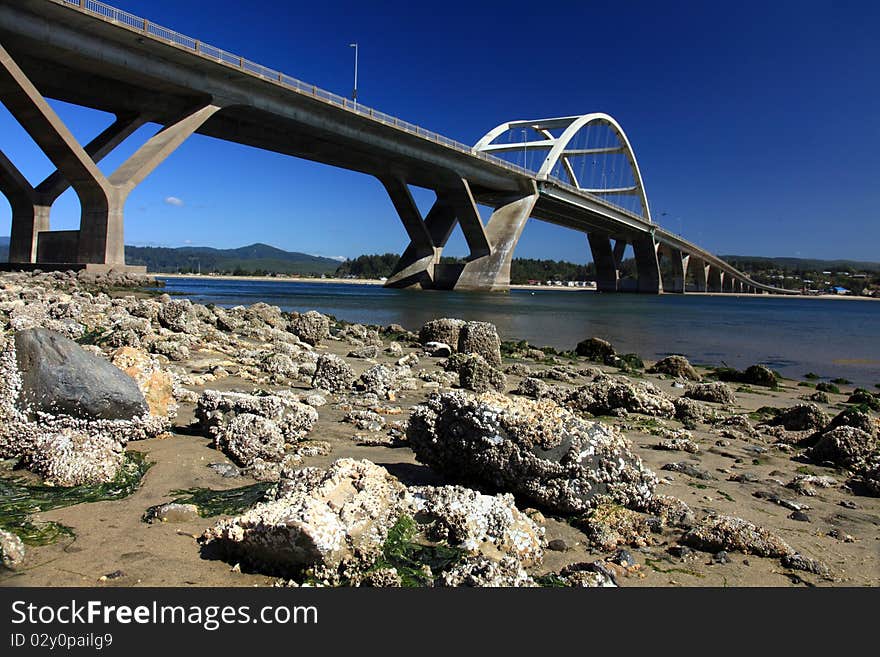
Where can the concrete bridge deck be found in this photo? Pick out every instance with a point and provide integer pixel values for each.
(90, 54)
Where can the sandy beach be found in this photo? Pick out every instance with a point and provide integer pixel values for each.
(729, 458)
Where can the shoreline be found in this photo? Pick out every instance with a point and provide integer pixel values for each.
(517, 286)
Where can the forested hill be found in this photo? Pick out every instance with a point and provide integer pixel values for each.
(758, 263)
(256, 258)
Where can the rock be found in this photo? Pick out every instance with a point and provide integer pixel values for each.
(225, 470)
(474, 373)
(678, 444)
(178, 316)
(171, 349)
(609, 526)
(254, 429)
(760, 375)
(518, 369)
(557, 545)
(60, 377)
(800, 562)
(438, 349)
(321, 520)
(534, 388)
(261, 313)
(11, 550)
(480, 524)
(853, 417)
(606, 395)
(443, 330)
(595, 349)
(817, 397)
(534, 449)
(333, 374)
(73, 458)
(395, 350)
(155, 384)
(862, 396)
(717, 393)
(367, 351)
(801, 417)
(671, 511)
(718, 532)
(365, 420)
(844, 446)
(586, 575)
(483, 572)
(311, 327)
(691, 412)
(689, 470)
(481, 338)
(381, 381)
(866, 478)
(173, 512)
(677, 366)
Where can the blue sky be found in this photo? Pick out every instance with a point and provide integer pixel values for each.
(755, 123)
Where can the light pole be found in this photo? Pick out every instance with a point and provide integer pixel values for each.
(525, 159)
(354, 94)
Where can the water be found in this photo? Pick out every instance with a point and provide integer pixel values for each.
(833, 338)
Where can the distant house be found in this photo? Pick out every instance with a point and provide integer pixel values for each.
(840, 290)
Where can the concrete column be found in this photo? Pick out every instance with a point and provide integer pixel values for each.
(607, 274)
(737, 286)
(726, 282)
(416, 265)
(715, 278)
(101, 238)
(32, 206)
(645, 249)
(492, 272)
(679, 263)
(701, 274)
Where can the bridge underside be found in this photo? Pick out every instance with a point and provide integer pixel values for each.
(50, 50)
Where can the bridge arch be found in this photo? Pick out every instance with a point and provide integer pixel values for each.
(559, 150)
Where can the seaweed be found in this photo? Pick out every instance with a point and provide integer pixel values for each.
(417, 564)
(812, 375)
(211, 503)
(19, 500)
(841, 381)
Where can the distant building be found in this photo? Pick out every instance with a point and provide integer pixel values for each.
(840, 290)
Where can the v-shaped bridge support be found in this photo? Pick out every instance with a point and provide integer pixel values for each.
(491, 247)
(100, 239)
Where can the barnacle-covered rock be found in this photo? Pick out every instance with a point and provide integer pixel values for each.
(311, 327)
(716, 392)
(333, 374)
(535, 449)
(478, 523)
(606, 395)
(481, 338)
(321, 519)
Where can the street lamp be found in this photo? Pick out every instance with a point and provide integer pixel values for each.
(354, 94)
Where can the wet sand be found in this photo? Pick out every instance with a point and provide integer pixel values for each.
(111, 538)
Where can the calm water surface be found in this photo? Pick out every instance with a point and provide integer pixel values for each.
(833, 338)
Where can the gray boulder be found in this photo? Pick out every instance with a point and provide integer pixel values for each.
(717, 393)
(332, 374)
(311, 327)
(60, 377)
(474, 373)
(444, 330)
(534, 449)
(677, 366)
(481, 338)
(595, 349)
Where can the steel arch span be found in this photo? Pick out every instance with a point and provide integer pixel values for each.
(559, 151)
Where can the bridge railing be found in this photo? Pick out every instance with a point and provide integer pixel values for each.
(148, 28)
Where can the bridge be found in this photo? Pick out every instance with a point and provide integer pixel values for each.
(85, 52)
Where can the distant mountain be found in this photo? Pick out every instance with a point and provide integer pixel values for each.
(752, 263)
(253, 258)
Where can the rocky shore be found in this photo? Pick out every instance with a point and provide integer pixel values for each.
(293, 449)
